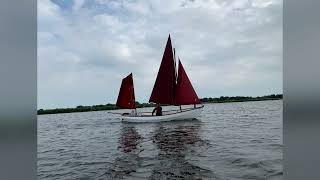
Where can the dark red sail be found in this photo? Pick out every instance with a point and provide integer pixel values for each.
(164, 87)
(185, 93)
(126, 97)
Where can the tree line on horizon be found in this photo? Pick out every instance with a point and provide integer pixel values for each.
(221, 99)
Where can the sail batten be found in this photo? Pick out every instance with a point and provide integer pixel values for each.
(126, 97)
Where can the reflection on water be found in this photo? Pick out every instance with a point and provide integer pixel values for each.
(229, 141)
(129, 138)
(176, 143)
(128, 161)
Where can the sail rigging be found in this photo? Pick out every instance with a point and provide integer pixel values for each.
(172, 87)
(164, 88)
(184, 92)
(126, 98)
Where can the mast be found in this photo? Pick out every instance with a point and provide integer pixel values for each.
(175, 64)
(126, 97)
(164, 88)
(175, 74)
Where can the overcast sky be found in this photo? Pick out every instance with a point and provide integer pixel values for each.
(86, 47)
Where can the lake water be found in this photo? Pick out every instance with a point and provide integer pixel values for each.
(228, 141)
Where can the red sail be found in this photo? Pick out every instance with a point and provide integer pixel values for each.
(185, 93)
(126, 97)
(164, 87)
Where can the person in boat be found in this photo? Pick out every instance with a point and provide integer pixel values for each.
(158, 110)
(133, 112)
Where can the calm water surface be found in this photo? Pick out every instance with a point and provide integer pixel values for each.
(228, 141)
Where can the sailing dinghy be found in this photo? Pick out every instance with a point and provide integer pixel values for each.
(170, 88)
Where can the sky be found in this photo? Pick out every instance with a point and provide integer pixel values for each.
(86, 47)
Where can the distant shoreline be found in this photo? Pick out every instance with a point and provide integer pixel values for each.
(270, 99)
(222, 99)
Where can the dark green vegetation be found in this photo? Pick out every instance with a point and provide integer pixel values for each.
(88, 108)
(222, 99)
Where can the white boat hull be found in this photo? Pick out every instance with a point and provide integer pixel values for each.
(178, 115)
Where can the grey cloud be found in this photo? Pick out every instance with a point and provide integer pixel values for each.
(236, 41)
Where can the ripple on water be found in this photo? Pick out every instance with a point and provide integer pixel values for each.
(228, 141)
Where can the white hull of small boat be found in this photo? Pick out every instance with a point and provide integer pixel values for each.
(185, 114)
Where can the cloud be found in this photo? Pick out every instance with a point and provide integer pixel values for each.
(227, 47)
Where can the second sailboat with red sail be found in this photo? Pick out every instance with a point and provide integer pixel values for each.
(170, 88)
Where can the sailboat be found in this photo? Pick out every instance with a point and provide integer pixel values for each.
(171, 87)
